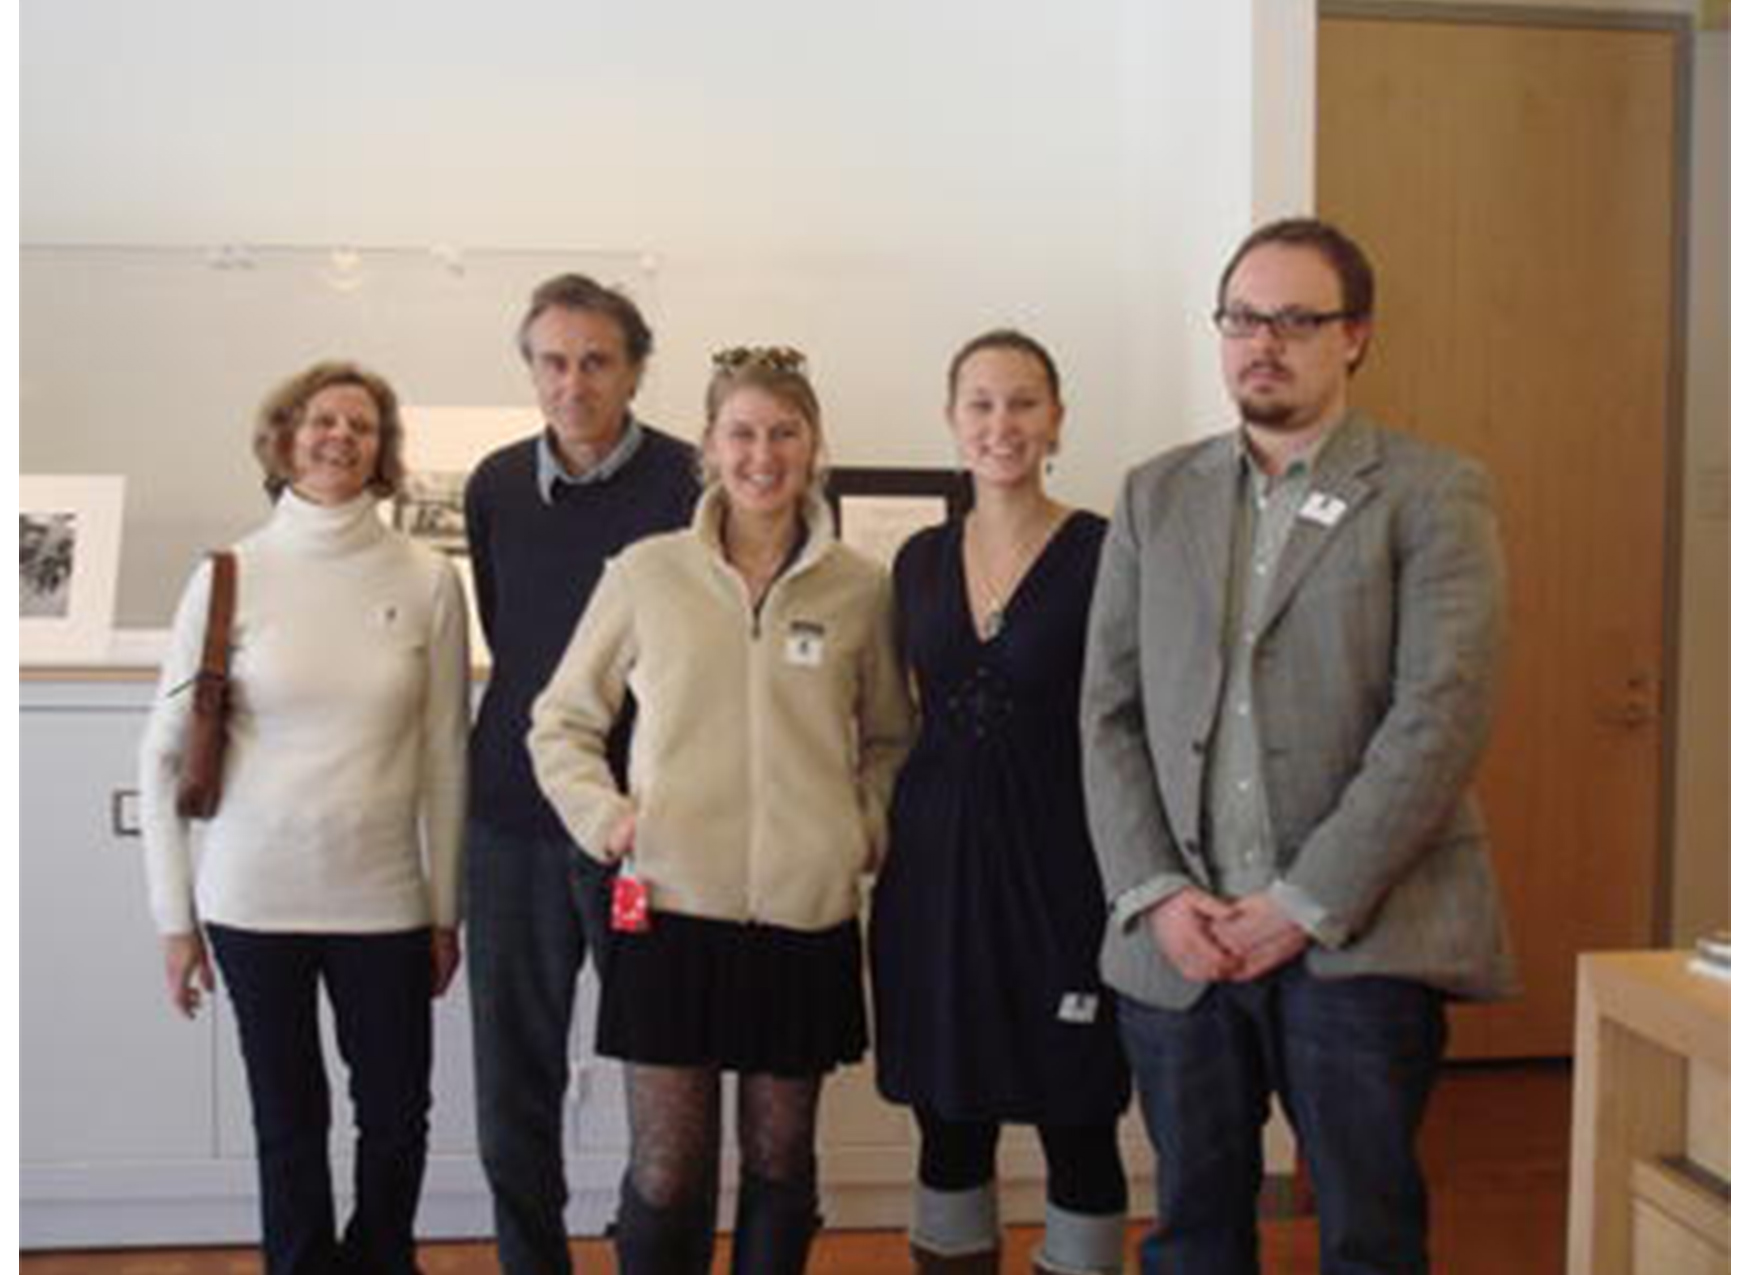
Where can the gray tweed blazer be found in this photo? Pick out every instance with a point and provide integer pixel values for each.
(1373, 677)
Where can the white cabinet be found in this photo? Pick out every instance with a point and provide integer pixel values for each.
(115, 1091)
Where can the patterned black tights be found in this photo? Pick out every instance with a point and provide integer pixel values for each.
(676, 1122)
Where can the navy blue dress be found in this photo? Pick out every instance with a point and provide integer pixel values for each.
(988, 913)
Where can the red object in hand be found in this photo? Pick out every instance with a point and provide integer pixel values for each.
(630, 911)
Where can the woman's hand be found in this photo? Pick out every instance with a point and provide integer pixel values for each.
(446, 955)
(621, 837)
(187, 972)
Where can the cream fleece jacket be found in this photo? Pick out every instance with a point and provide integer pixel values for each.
(346, 766)
(767, 744)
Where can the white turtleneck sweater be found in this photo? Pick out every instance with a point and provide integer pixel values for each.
(346, 766)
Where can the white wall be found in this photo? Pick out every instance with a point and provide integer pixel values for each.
(872, 183)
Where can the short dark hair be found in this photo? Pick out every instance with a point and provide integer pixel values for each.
(580, 292)
(1344, 256)
(1003, 339)
(283, 411)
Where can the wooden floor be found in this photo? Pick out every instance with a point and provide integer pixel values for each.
(1496, 1148)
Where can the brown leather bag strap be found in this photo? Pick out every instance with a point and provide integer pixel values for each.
(222, 601)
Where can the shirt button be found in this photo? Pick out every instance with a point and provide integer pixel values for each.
(1244, 709)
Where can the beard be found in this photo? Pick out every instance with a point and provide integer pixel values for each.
(1267, 414)
(1264, 407)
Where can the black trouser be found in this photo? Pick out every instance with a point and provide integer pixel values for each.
(379, 986)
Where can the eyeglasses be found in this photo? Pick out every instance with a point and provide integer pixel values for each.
(1285, 325)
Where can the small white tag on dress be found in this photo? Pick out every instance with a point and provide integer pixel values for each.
(1079, 1007)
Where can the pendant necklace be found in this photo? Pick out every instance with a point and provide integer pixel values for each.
(992, 591)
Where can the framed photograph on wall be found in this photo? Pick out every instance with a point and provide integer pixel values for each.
(442, 446)
(429, 508)
(69, 544)
(877, 510)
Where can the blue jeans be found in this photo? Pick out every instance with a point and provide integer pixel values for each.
(535, 907)
(379, 986)
(1354, 1061)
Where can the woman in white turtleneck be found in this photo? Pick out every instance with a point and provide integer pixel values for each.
(334, 859)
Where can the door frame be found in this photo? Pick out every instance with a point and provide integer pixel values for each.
(1682, 26)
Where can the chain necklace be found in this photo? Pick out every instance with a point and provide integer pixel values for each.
(992, 585)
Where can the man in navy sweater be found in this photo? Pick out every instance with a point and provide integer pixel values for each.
(544, 515)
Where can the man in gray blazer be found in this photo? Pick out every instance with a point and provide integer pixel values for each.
(1291, 663)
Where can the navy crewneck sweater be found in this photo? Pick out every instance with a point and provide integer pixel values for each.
(535, 566)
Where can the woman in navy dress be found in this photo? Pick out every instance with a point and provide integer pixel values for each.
(989, 911)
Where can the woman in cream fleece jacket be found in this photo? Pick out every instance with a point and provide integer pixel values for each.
(333, 860)
(772, 717)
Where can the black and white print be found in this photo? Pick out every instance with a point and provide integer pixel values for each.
(429, 509)
(47, 543)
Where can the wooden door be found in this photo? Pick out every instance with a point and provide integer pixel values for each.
(1514, 185)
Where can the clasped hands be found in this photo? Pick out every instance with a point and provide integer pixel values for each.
(1215, 940)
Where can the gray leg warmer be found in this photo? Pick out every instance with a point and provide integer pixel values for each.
(955, 1223)
(1081, 1243)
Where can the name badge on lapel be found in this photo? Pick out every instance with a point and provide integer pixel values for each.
(1324, 508)
(805, 644)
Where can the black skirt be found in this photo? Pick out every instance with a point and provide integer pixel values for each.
(694, 992)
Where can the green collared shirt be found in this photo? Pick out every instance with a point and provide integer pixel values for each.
(1237, 829)
(1243, 853)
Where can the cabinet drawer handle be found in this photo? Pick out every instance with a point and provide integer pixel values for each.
(124, 812)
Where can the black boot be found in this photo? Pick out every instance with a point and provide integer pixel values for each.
(775, 1224)
(671, 1241)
